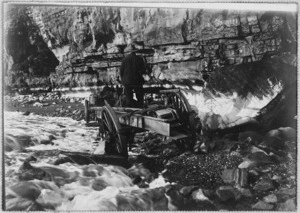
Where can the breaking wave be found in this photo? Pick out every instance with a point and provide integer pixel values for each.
(33, 182)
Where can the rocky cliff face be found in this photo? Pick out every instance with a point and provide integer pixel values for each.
(179, 45)
(28, 59)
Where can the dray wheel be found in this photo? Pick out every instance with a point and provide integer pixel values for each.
(176, 99)
(110, 131)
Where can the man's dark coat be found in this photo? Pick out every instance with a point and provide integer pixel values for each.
(132, 69)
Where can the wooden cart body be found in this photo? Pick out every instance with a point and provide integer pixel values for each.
(120, 123)
(147, 123)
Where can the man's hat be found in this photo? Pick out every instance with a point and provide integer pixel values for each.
(131, 48)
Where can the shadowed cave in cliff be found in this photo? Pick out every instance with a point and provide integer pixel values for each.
(232, 74)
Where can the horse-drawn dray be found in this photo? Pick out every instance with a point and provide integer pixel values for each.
(168, 113)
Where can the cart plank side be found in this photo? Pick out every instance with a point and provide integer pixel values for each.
(145, 122)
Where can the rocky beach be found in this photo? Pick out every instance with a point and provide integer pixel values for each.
(243, 171)
(46, 104)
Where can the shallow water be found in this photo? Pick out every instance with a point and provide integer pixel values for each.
(67, 186)
(70, 186)
(66, 133)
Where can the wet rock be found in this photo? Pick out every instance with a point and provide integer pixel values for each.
(250, 136)
(170, 151)
(176, 200)
(138, 180)
(289, 205)
(230, 146)
(41, 98)
(270, 199)
(123, 204)
(209, 193)
(26, 113)
(279, 157)
(198, 195)
(28, 190)
(45, 194)
(21, 204)
(160, 201)
(245, 192)
(38, 104)
(187, 190)
(260, 158)
(16, 142)
(50, 199)
(255, 149)
(136, 201)
(200, 146)
(9, 173)
(138, 170)
(256, 159)
(235, 176)
(47, 139)
(93, 170)
(27, 172)
(59, 176)
(264, 185)
(247, 164)
(226, 193)
(287, 133)
(276, 177)
(84, 181)
(291, 192)
(152, 146)
(273, 143)
(285, 193)
(291, 147)
(99, 184)
(261, 205)
(272, 133)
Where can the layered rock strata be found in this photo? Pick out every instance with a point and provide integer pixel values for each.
(177, 44)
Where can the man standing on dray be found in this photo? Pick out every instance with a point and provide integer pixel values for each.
(131, 72)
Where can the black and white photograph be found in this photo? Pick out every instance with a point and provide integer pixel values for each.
(149, 106)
